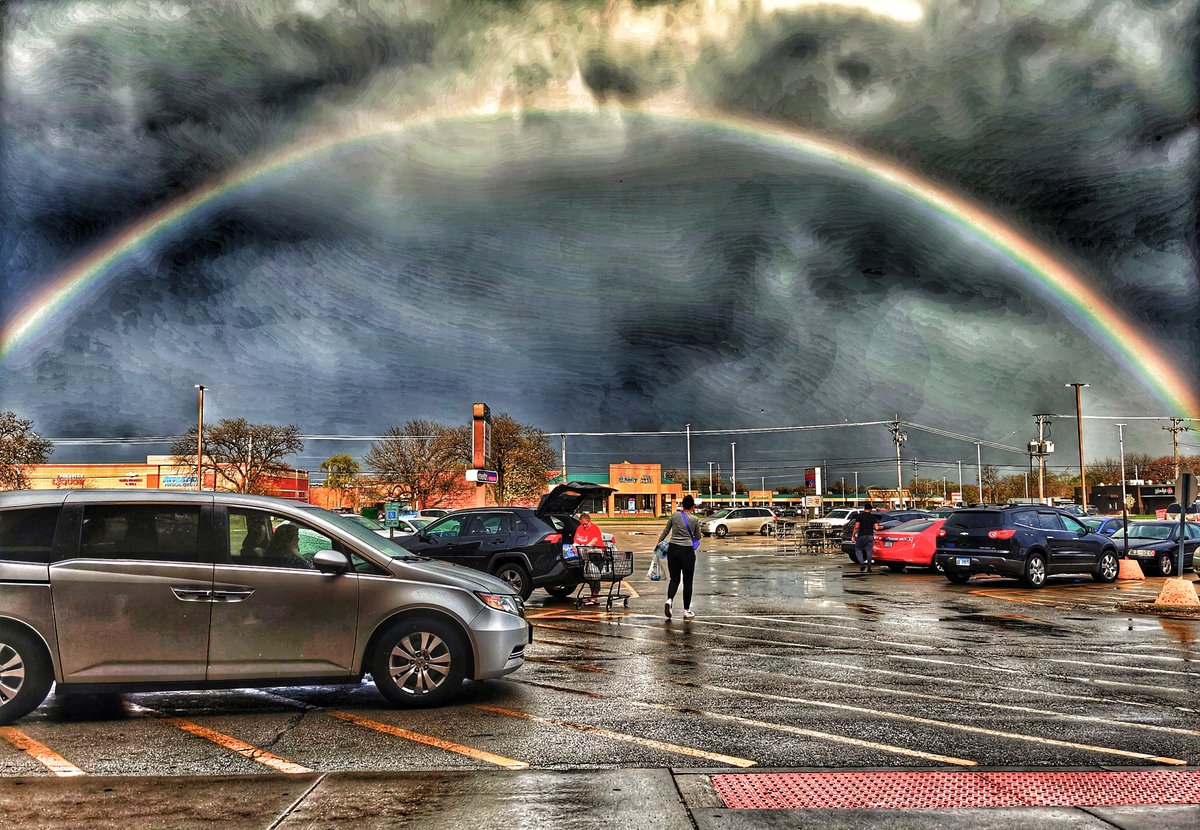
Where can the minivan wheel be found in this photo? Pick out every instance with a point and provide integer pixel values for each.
(1035, 570)
(1107, 568)
(721, 531)
(766, 530)
(25, 675)
(515, 575)
(419, 661)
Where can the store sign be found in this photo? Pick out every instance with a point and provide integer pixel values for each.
(69, 480)
(130, 480)
(178, 482)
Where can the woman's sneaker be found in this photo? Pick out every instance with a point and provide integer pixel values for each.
(688, 613)
(667, 609)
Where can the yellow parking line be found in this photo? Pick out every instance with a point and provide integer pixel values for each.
(429, 740)
(260, 756)
(727, 760)
(39, 752)
(862, 711)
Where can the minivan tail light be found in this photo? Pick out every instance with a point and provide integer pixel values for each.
(553, 538)
(1001, 534)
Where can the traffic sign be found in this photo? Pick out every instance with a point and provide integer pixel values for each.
(391, 514)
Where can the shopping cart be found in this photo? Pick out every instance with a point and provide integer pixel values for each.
(604, 565)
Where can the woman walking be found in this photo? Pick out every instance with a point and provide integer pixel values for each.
(684, 532)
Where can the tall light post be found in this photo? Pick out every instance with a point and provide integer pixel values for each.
(1079, 423)
(710, 484)
(979, 467)
(688, 427)
(1124, 506)
(856, 488)
(200, 441)
(733, 479)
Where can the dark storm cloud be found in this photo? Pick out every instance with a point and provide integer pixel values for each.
(685, 278)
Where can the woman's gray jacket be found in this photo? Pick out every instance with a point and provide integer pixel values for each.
(684, 532)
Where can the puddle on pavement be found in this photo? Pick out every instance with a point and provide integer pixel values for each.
(1010, 622)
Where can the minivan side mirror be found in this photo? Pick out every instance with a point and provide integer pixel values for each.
(331, 562)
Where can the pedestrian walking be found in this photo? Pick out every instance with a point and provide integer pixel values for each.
(864, 537)
(588, 535)
(683, 538)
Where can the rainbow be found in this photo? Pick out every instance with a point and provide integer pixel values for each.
(1058, 278)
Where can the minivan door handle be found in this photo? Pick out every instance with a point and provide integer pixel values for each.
(192, 594)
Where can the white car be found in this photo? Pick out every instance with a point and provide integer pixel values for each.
(740, 520)
(839, 517)
(405, 526)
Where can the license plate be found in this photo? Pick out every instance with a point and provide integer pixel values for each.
(887, 543)
(962, 561)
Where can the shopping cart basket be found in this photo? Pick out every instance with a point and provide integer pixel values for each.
(604, 565)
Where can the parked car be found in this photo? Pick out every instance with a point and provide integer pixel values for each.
(887, 520)
(910, 543)
(1028, 542)
(1155, 544)
(528, 548)
(740, 520)
(1107, 525)
(135, 590)
(838, 517)
(405, 525)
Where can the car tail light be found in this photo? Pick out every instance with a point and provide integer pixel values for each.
(942, 532)
(553, 538)
(1001, 534)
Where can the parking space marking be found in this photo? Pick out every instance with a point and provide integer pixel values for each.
(986, 704)
(782, 727)
(962, 727)
(429, 740)
(726, 760)
(39, 752)
(254, 753)
(1144, 669)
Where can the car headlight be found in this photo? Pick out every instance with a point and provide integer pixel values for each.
(508, 603)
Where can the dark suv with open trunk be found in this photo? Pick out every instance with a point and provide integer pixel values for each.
(1025, 541)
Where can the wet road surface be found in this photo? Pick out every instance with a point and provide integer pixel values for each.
(794, 660)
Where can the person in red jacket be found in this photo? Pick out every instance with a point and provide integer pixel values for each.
(588, 535)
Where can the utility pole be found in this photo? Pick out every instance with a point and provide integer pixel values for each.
(1040, 449)
(898, 437)
(564, 457)
(733, 478)
(961, 494)
(1079, 423)
(979, 467)
(688, 427)
(1175, 428)
(1124, 505)
(710, 484)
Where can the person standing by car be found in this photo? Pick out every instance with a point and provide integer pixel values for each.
(683, 534)
(864, 537)
(588, 535)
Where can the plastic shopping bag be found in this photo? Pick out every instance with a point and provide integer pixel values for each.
(655, 570)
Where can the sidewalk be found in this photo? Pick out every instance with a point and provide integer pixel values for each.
(655, 799)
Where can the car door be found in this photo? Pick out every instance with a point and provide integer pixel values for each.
(132, 593)
(273, 613)
(1060, 545)
(439, 540)
(1085, 545)
(739, 520)
(484, 535)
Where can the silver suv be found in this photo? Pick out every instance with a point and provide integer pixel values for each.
(149, 590)
(740, 520)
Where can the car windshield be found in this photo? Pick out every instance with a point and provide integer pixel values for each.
(1162, 531)
(839, 514)
(721, 514)
(366, 534)
(975, 519)
(913, 526)
(420, 522)
(370, 524)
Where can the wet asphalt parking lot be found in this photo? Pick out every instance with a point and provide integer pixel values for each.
(794, 660)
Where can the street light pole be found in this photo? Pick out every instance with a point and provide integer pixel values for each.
(688, 427)
(960, 486)
(1124, 505)
(710, 484)
(733, 480)
(856, 489)
(200, 441)
(979, 467)
(1079, 423)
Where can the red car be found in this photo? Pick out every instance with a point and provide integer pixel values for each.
(911, 543)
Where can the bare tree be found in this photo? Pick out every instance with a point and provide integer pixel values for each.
(522, 457)
(20, 447)
(241, 455)
(422, 462)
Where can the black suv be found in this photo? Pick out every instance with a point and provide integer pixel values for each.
(1025, 541)
(521, 545)
(887, 519)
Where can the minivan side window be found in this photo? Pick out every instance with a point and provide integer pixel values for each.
(265, 540)
(147, 532)
(27, 535)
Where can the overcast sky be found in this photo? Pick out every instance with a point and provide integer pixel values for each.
(548, 241)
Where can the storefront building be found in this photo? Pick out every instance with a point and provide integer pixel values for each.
(157, 473)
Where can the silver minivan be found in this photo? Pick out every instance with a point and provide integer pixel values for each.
(740, 520)
(142, 590)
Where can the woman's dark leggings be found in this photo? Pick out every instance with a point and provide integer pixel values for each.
(681, 561)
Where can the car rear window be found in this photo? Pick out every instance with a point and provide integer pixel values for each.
(27, 535)
(974, 519)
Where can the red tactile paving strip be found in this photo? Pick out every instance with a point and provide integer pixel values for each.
(951, 790)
